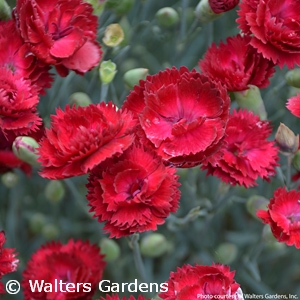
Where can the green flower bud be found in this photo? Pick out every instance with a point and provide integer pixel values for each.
(120, 7)
(5, 11)
(251, 99)
(113, 35)
(292, 77)
(10, 179)
(54, 191)
(154, 245)
(204, 12)
(37, 222)
(286, 140)
(296, 161)
(80, 99)
(133, 77)
(226, 253)
(24, 147)
(167, 17)
(50, 231)
(256, 202)
(107, 71)
(110, 249)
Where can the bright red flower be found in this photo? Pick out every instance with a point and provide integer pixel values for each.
(283, 216)
(8, 260)
(16, 57)
(81, 138)
(74, 263)
(246, 153)
(220, 6)
(192, 282)
(293, 105)
(116, 297)
(18, 104)
(183, 114)
(134, 193)
(237, 64)
(60, 32)
(275, 26)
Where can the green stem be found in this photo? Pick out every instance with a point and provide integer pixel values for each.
(104, 91)
(288, 171)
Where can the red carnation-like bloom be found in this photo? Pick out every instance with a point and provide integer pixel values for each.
(133, 193)
(116, 297)
(192, 282)
(246, 154)
(81, 138)
(220, 6)
(237, 64)
(275, 26)
(293, 105)
(60, 32)
(8, 260)
(283, 216)
(18, 104)
(64, 267)
(183, 114)
(16, 57)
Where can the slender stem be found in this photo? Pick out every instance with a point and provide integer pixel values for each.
(288, 171)
(185, 4)
(104, 91)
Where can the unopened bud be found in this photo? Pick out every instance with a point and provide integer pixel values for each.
(80, 99)
(296, 161)
(154, 245)
(107, 71)
(54, 191)
(226, 253)
(167, 17)
(120, 7)
(113, 35)
(204, 13)
(256, 202)
(292, 77)
(5, 11)
(220, 6)
(37, 222)
(251, 99)
(133, 77)
(110, 249)
(50, 231)
(24, 147)
(286, 140)
(10, 179)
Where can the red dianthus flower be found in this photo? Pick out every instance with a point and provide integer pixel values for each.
(74, 263)
(135, 193)
(192, 282)
(293, 105)
(283, 216)
(246, 153)
(81, 138)
(237, 64)
(60, 32)
(8, 260)
(183, 114)
(275, 26)
(220, 6)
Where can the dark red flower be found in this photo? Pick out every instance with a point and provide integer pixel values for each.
(275, 26)
(246, 153)
(60, 32)
(202, 282)
(72, 264)
(183, 114)
(283, 216)
(220, 6)
(116, 297)
(16, 57)
(81, 138)
(133, 193)
(8, 260)
(18, 104)
(237, 64)
(293, 105)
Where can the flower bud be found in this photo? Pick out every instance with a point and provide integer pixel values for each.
(292, 77)
(154, 245)
(110, 249)
(54, 191)
(286, 140)
(133, 77)
(251, 99)
(37, 222)
(5, 11)
(50, 231)
(167, 17)
(10, 179)
(296, 161)
(220, 6)
(80, 99)
(255, 203)
(204, 13)
(120, 7)
(107, 71)
(24, 147)
(226, 253)
(113, 35)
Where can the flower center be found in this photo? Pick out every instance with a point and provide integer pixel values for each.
(58, 34)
